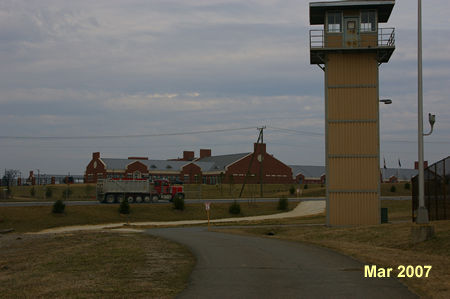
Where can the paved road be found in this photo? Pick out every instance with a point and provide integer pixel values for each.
(232, 266)
(91, 202)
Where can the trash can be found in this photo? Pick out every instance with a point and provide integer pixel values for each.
(384, 215)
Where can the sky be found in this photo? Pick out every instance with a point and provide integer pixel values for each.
(144, 67)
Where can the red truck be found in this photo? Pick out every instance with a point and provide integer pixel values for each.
(137, 190)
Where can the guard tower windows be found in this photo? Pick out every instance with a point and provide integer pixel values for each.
(334, 21)
(368, 21)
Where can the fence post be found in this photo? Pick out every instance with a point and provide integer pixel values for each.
(444, 187)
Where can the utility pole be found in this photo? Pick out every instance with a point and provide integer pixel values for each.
(261, 159)
(260, 137)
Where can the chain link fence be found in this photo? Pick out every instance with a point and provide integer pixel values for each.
(437, 191)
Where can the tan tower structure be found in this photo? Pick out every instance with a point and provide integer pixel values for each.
(349, 49)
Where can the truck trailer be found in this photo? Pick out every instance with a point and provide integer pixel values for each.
(136, 190)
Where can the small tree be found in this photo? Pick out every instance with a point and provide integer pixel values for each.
(48, 192)
(292, 190)
(393, 189)
(407, 186)
(178, 203)
(124, 207)
(58, 207)
(283, 203)
(306, 186)
(235, 208)
(9, 177)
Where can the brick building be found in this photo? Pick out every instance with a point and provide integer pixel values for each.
(306, 174)
(206, 168)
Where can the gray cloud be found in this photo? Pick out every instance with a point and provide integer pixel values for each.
(72, 68)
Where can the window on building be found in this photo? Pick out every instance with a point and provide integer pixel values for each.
(186, 179)
(334, 21)
(368, 23)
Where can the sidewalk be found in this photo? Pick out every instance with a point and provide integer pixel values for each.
(305, 208)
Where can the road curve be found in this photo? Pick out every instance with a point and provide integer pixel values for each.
(233, 266)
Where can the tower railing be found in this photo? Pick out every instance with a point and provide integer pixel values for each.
(319, 40)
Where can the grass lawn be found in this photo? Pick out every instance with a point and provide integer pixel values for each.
(30, 219)
(92, 265)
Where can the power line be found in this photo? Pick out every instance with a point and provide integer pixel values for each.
(411, 141)
(382, 140)
(121, 136)
(297, 131)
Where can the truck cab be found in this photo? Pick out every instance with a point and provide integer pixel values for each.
(166, 190)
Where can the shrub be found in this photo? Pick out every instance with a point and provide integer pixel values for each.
(32, 192)
(124, 207)
(48, 192)
(58, 207)
(292, 190)
(66, 193)
(306, 186)
(393, 189)
(178, 203)
(407, 186)
(283, 203)
(235, 208)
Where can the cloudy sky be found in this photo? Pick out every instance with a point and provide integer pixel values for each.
(146, 67)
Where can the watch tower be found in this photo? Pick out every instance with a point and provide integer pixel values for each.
(349, 49)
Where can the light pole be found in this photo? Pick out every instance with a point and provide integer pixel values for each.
(422, 212)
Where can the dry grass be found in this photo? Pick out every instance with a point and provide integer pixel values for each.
(387, 245)
(77, 192)
(398, 210)
(92, 265)
(26, 219)
(196, 191)
(250, 191)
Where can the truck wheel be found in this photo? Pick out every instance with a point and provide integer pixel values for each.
(110, 198)
(155, 198)
(130, 199)
(138, 199)
(147, 199)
